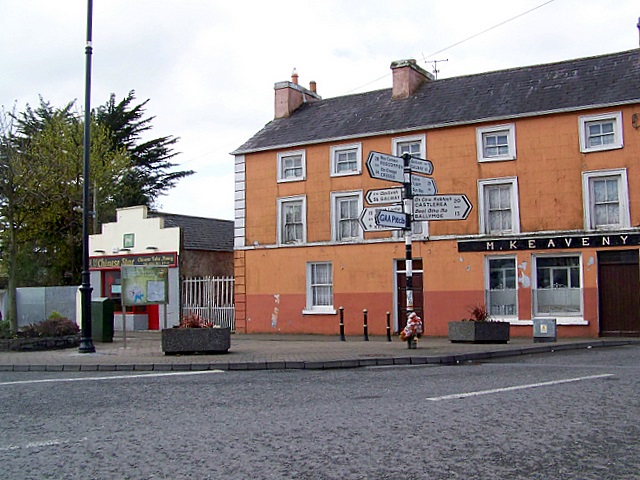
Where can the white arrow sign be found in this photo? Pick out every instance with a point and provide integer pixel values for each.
(384, 195)
(367, 218)
(385, 167)
(420, 165)
(423, 185)
(441, 207)
(388, 218)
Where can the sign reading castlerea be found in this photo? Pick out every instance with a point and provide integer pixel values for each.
(441, 207)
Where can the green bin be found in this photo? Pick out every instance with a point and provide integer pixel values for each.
(102, 319)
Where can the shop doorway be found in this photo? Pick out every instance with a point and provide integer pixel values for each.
(401, 292)
(619, 293)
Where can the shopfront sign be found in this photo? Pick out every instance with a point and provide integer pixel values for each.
(118, 261)
(551, 242)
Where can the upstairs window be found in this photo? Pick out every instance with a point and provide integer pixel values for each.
(600, 132)
(346, 160)
(606, 199)
(291, 220)
(496, 143)
(346, 208)
(415, 145)
(291, 166)
(498, 206)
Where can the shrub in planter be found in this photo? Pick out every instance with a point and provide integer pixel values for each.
(480, 328)
(195, 335)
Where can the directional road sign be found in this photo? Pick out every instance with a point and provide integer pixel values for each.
(441, 207)
(423, 185)
(384, 195)
(388, 218)
(367, 218)
(420, 165)
(385, 167)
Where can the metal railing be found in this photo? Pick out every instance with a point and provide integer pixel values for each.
(211, 298)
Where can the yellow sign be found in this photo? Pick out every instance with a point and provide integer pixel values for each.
(144, 285)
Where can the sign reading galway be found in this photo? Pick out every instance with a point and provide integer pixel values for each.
(551, 243)
(118, 261)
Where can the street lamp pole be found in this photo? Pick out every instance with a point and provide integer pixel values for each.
(86, 340)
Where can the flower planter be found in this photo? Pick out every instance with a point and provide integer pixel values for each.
(195, 340)
(479, 332)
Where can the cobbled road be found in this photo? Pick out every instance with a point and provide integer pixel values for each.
(563, 415)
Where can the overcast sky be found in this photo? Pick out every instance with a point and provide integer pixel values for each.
(209, 66)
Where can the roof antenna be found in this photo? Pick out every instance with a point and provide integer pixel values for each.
(435, 66)
(638, 25)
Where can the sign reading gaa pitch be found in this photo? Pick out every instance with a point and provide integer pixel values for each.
(144, 285)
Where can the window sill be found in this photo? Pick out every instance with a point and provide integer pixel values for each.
(320, 311)
(578, 321)
(504, 158)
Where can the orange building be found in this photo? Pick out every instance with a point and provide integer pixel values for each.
(548, 156)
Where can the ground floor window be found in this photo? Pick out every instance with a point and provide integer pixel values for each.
(320, 287)
(501, 291)
(557, 285)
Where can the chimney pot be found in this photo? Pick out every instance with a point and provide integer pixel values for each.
(294, 76)
(312, 86)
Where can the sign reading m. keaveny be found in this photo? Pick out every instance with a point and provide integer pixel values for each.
(550, 242)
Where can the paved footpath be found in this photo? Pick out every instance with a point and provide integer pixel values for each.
(141, 351)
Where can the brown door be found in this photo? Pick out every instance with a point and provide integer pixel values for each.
(619, 293)
(418, 296)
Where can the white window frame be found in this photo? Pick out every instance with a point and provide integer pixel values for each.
(312, 309)
(419, 229)
(585, 120)
(487, 285)
(336, 150)
(483, 132)
(280, 221)
(566, 318)
(335, 228)
(482, 207)
(397, 141)
(282, 156)
(623, 198)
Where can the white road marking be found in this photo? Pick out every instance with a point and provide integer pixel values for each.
(113, 377)
(42, 443)
(454, 396)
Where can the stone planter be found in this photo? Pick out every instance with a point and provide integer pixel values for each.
(195, 340)
(39, 343)
(479, 332)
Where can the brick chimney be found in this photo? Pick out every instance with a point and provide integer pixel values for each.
(290, 95)
(407, 78)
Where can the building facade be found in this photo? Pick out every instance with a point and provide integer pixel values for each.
(548, 156)
(188, 246)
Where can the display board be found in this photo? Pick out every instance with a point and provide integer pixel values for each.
(144, 285)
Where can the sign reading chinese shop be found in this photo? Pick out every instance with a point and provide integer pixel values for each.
(118, 261)
(144, 285)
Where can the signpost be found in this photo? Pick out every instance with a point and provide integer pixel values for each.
(441, 207)
(423, 185)
(420, 165)
(367, 218)
(384, 195)
(419, 198)
(388, 218)
(385, 167)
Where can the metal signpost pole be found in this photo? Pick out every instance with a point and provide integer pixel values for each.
(86, 340)
(408, 198)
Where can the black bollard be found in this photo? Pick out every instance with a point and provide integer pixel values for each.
(388, 327)
(366, 327)
(342, 337)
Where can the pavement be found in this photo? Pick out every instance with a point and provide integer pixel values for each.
(141, 351)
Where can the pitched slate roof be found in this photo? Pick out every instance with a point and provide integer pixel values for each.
(604, 80)
(199, 233)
